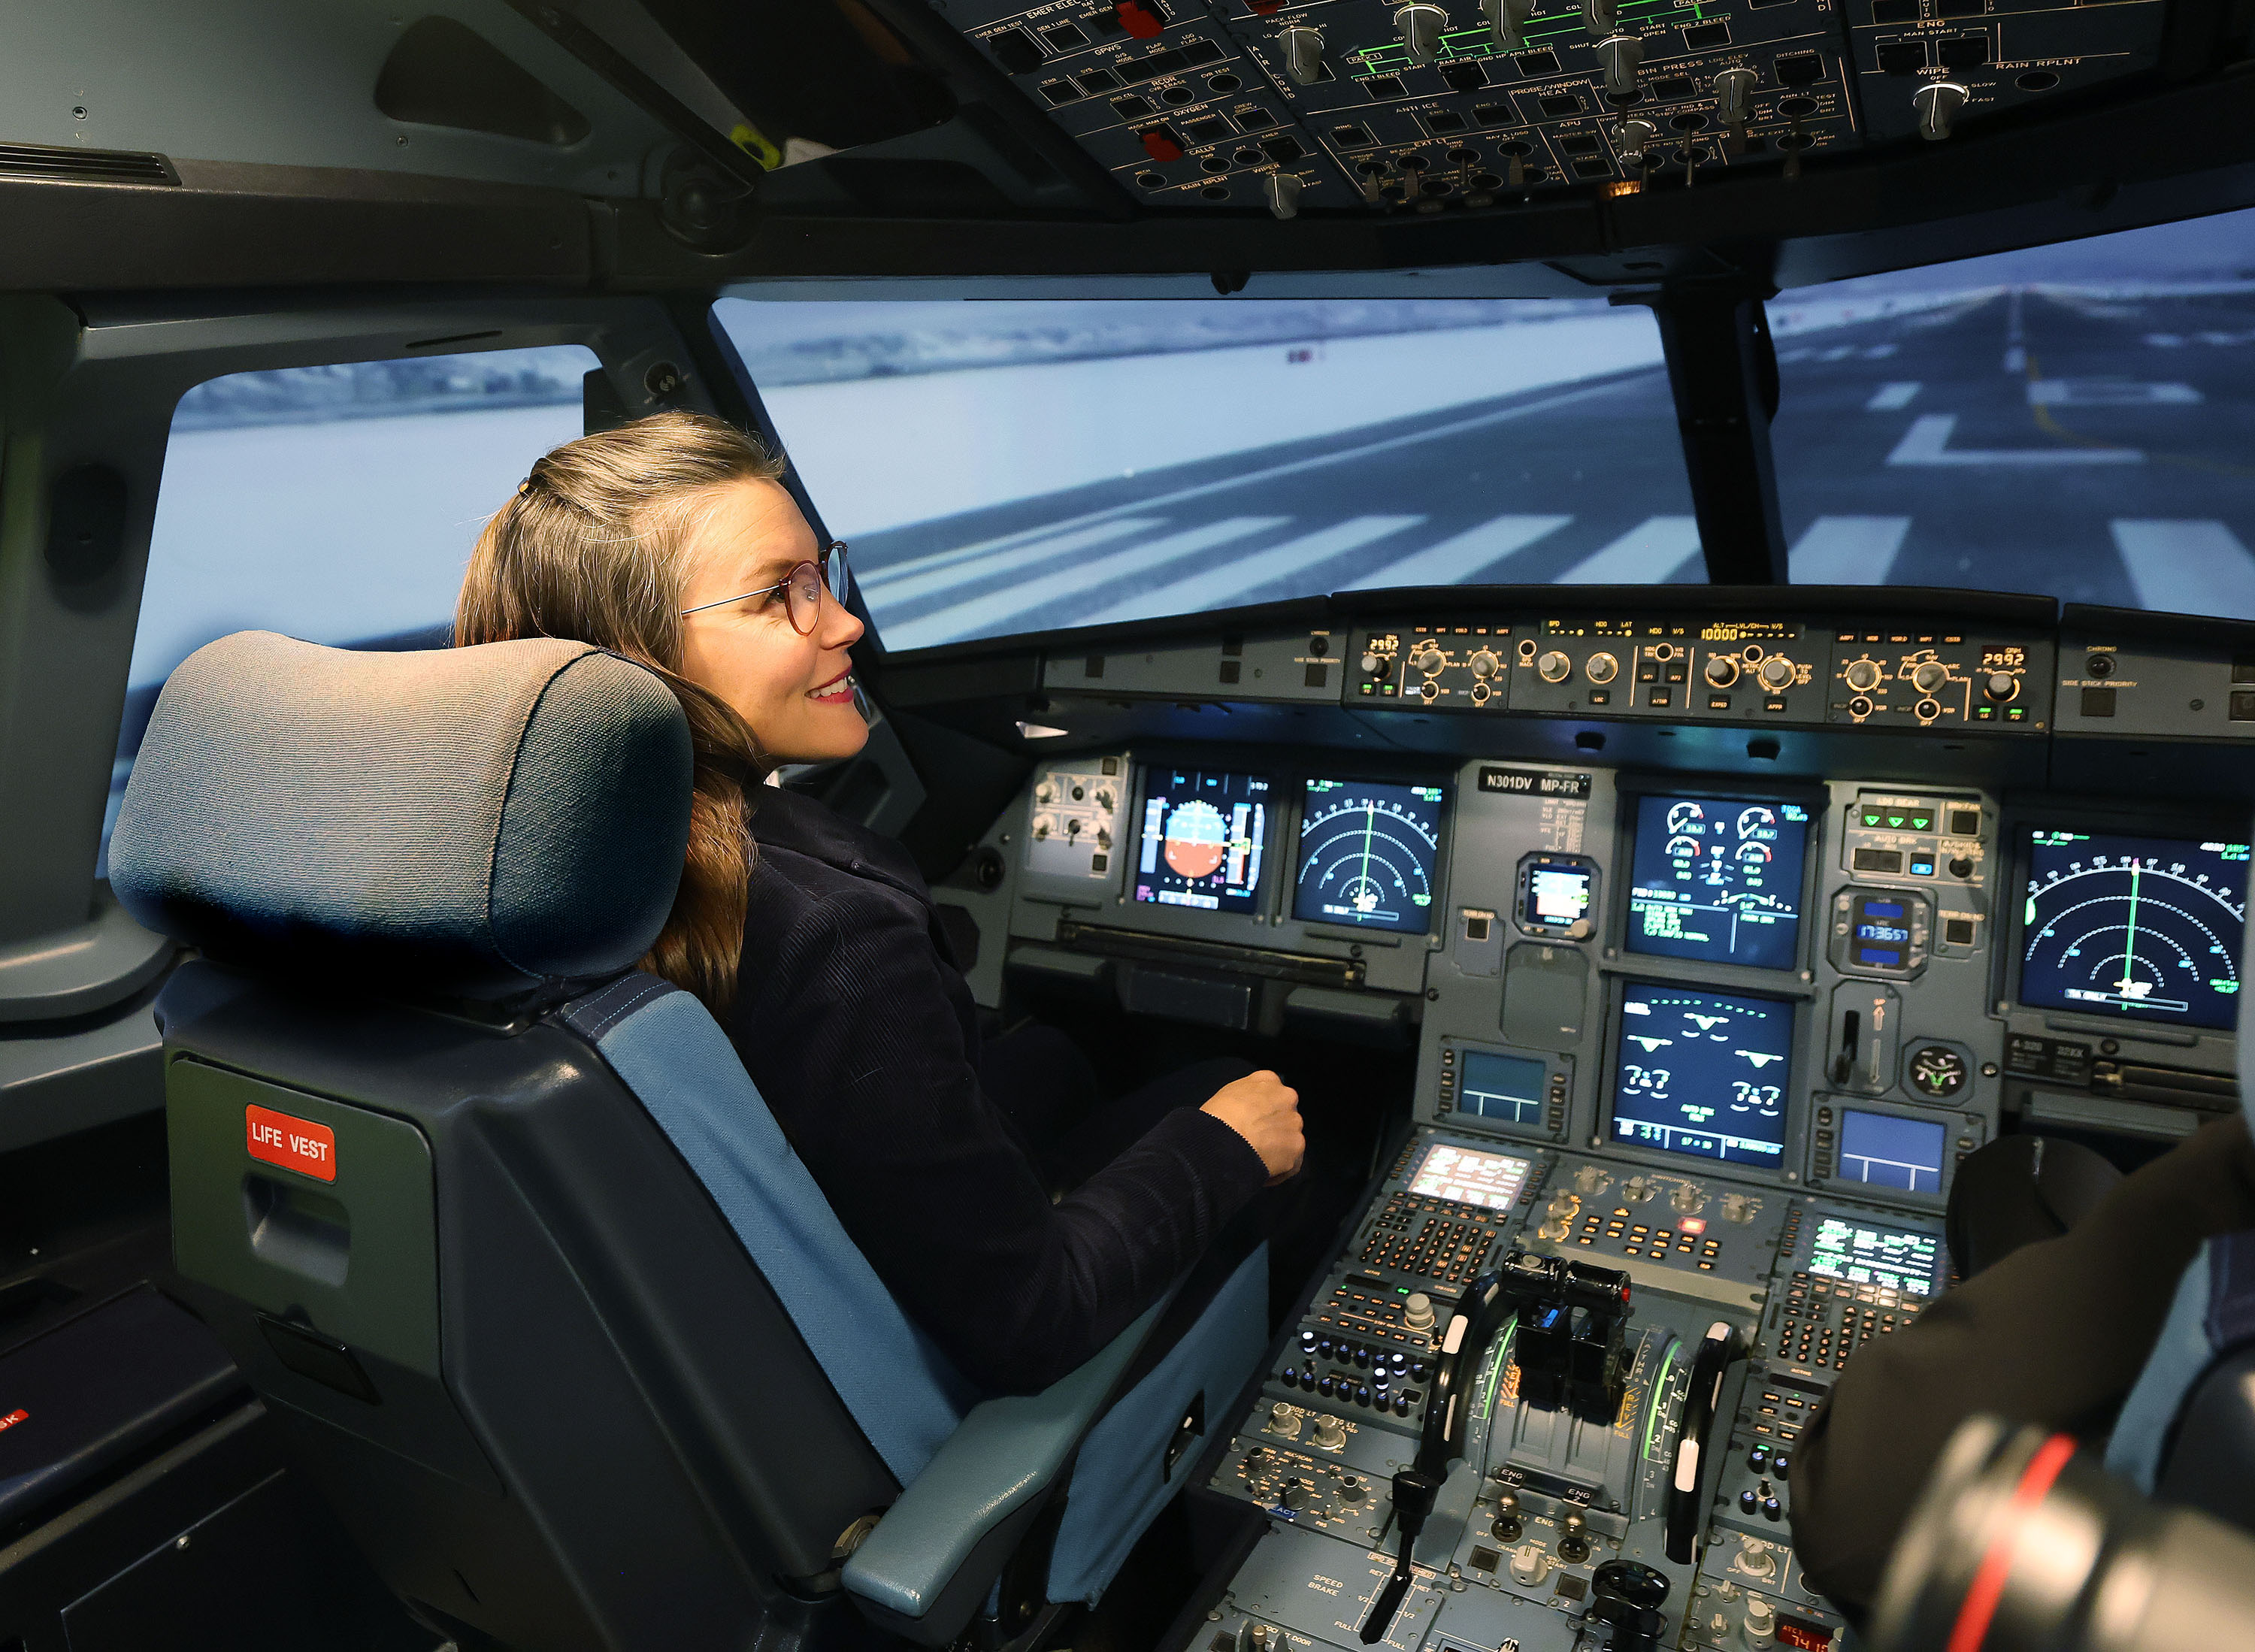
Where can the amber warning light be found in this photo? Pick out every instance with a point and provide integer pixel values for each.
(295, 1144)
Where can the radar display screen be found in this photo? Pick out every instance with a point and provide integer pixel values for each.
(1470, 1177)
(2145, 928)
(1505, 1088)
(1886, 1150)
(1717, 879)
(1702, 1073)
(1886, 1257)
(1204, 833)
(1367, 852)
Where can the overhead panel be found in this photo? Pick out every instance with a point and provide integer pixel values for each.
(1415, 106)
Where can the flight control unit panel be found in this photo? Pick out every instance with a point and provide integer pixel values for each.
(1704, 1048)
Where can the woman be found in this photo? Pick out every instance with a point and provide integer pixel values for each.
(815, 942)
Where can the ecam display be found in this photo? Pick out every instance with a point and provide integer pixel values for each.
(1718, 879)
(1702, 1073)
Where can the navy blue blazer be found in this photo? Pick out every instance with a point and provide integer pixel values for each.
(856, 1024)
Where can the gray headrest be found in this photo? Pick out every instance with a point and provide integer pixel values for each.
(471, 822)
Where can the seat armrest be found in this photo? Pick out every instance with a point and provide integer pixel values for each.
(934, 1554)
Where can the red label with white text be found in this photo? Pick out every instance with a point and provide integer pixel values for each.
(14, 1417)
(295, 1144)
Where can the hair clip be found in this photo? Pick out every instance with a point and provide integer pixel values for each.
(525, 486)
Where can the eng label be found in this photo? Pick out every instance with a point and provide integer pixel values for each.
(295, 1144)
(1534, 782)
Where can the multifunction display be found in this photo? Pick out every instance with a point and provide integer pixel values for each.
(2146, 928)
(1879, 933)
(1555, 895)
(1505, 1088)
(1887, 1150)
(1368, 853)
(1204, 834)
(1469, 1176)
(1718, 880)
(1882, 1256)
(1702, 1073)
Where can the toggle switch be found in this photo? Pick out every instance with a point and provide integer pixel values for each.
(1600, 18)
(1304, 54)
(1420, 24)
(1734, 92)
(1633, 137)
(1505, 19)
(1938, 103)
(1283, 193)
(1619, 55)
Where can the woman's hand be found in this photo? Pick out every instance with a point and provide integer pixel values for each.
(1265, 1112)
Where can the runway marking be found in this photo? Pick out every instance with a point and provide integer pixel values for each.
(2187, 568)
(1448, 562)
(1235, 582)
(1650, 554)
(2108, 392)
(1889, 396)
(896, 585)
(1926, 442)
(1847, 550)
(984, 614)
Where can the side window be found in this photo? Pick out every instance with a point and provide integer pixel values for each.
(338, 503)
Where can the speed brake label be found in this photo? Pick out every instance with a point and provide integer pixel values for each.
(295, 1144)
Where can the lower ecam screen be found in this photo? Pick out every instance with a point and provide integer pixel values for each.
(1203, 835)
(1702, 1073)
(1469, 1176)
(1718, 879)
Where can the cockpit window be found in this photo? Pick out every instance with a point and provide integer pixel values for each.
(2075, 420)
(1003, 466)
(336, 504)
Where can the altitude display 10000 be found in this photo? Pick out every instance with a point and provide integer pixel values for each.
(2147, 928)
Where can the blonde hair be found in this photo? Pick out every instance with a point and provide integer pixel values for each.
(593, 548)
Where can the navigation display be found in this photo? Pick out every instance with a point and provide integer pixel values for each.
(1505, 1088)
(1702, 1073)
(1885, 1151)
(2145, 928)
(1204, 833)
(1367, 854)
(1717, 879)
(1886, 1257)
(1470, 1177)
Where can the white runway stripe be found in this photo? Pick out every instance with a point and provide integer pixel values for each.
(1847, 550)
(947, 569)
(1240, 582)
(990, 612)
(1449, 562)
(1926, 442)
(1891, 396)
(1646, 555)
(2187, 568)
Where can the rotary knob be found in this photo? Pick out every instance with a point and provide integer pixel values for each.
(1353, 1490)
(1862, 675)
(1720, 670)
(1294, 1495)
(1776, 671)
(1638, 1189)
(1371, 662)
(1302, 48)
(1554, 667)
(1484, 664)
(1330, 1433)
(1284, 1419)
(1426, 658)
(1929, 676)
(1417, 1313)
(1590, 1179)
(1602, 668)
(1420, 27)
(2000, 685)
(1687, 1198)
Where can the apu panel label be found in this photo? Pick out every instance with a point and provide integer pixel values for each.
(1534, 782)
(295, 1144)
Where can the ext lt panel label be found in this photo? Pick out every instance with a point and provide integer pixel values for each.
(295, 1144)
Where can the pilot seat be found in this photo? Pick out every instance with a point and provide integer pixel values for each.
(500, 1229)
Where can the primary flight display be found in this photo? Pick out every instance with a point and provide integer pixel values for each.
(1204, 833)
(1367, 851)
(2147, 928)
(1702, 1073)
(1718, 879)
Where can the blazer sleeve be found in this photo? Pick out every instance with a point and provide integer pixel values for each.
(856, 1047)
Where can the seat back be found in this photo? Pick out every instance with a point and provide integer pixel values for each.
(514, 1338)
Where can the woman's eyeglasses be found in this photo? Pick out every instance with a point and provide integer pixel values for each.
(802, 588)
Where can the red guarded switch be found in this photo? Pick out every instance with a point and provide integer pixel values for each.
(1139, 20)
(1161, 145)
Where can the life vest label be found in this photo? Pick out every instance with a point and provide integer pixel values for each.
(295, 1144)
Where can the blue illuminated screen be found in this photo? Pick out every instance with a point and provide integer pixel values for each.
(1204, 833)
(2148, 929)
(1367, 852)
(1718, 879)
(1505, 1088)
(1702, 1073)
(1888, 1152)
(1880, 936)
